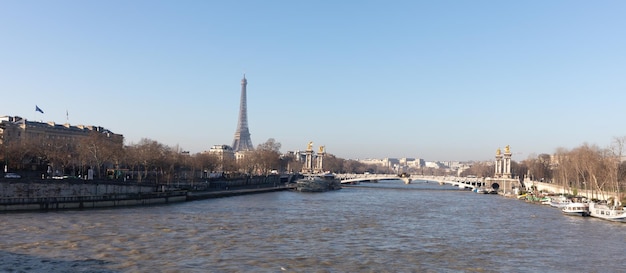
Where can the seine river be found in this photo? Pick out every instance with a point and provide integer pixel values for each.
(392, 227)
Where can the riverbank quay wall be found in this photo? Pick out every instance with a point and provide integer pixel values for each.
(232, 183)
(86, 202)
(237, 186)
(49, 194)
(199, 195)
(69, 188)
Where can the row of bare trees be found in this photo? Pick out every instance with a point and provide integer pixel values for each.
(587, 167)
(60, 153)
(592, 168)
(149, 160)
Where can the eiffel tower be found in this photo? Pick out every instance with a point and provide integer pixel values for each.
(242, 141)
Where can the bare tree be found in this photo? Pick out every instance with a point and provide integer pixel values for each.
(562, 167)
(270, 145)
(229, 165)
(332, 164)
(98, 149)
(171, 162)
(616, 165)
(479, 169)
(204, 163)
(19, 152)
(60, 153)
(539, 168)
(266, 157)
(150, 156)
(288, 163)
(248, 163)
(591, 163)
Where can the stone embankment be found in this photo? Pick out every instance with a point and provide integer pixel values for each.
(42, 195)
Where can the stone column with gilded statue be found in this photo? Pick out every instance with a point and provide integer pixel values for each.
(498, 165)
(319, 167)
(507, 162)
(503, 180)
(308, 163)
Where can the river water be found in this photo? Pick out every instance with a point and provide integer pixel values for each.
(377, 227)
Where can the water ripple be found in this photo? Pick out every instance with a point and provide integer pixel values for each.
(351, 230)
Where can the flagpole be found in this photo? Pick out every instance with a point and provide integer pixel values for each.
(37, 109)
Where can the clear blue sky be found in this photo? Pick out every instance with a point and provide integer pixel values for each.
(439, 80)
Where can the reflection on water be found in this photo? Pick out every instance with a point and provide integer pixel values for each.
(392, 228)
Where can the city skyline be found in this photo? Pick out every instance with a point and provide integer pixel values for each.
(440, 81)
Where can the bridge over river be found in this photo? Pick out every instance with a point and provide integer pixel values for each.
(461, 182)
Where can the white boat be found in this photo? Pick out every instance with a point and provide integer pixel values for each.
(480, 190)
(318, 183)
(611, 213)
(577, 209)
(560, 202)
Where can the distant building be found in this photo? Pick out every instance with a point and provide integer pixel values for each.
(13, 128)
(373, 161)
(298, 156)
(420, 163)
(223, 152)
(416, 164)
(461, 168)
(406, 161)
(434, 164)
(402, 164)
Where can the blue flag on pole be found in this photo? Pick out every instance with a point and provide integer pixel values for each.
(38, 109)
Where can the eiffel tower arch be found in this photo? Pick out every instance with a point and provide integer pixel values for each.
(242, 141)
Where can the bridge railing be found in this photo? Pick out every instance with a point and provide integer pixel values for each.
(351, 176)
(467, 182)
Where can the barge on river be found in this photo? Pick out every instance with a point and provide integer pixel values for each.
(318, 183)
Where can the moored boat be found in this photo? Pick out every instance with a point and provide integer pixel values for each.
(318, 183)
(491, 191)
(606, 212)
(576, 209)
(560, 202)
(479, 190)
